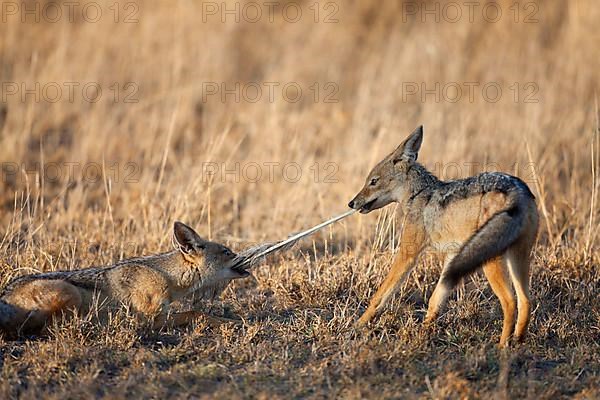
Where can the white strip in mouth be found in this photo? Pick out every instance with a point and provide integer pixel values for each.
(252, 255)
(367, 207)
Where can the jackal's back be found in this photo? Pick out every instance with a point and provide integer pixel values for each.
(482, 216)
(87, 278)
(487, 182)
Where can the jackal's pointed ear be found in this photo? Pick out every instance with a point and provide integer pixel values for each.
(409, 149)
(186, 239)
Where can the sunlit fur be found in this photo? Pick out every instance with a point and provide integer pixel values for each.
(148, 285)
(489, 220)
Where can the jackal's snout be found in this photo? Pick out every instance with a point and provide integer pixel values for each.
(374, 194)
(359, 203)
(387, 181)
(211, 256)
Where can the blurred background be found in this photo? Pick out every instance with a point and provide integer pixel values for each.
(253, 120)
(250, 121)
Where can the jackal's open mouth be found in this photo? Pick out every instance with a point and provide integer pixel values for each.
(367, 207)
(242, 272)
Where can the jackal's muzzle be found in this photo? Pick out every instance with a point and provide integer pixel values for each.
(362, 206)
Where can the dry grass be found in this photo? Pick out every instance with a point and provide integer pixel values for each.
(297, 339)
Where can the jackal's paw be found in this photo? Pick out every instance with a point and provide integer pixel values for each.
(517, 340)
(429, 322)
(363, 321)
(216, 322)
(359, 325)
(229, 314)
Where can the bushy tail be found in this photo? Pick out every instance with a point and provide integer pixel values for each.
(491, 240)
(8, 314)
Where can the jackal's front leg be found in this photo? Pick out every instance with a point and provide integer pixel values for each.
(406, 258)
(180, 319)
(175, 319)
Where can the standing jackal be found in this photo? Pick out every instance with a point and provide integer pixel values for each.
(148, 284)
(489, 220)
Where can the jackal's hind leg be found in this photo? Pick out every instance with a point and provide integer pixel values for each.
(440, 294)
(437, 302)
(518, 261)
(496, 272)
(42, 299)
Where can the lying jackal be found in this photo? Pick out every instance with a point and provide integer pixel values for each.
(148, 284)
(488, 220)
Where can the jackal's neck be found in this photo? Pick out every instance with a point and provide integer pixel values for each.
(420, 181)
(180, 272)
(152, 259)
(170, 261)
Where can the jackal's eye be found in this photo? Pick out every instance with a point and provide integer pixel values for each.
(227, 252)
(373, 181)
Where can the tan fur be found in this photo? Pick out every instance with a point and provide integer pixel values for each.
(409, 250)
(519, 260)
(487, 221)
(148, 285)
